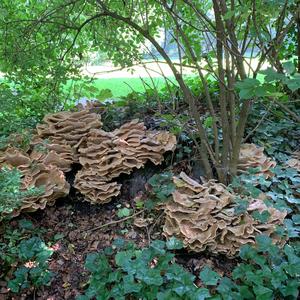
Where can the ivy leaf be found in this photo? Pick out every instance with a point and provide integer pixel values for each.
(296, 219)
(124, 212)
(97, 262)
(150, 276)
(209, 277)
(241, 206)
(202, 294)
(261, 217)
(263, 242)
(130, 286)
(174, 244)
(293, 231)
(26, 224)
(226, 286)
(263, 293)
(291, 289)
(158, 246)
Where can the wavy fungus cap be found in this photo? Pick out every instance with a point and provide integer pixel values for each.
(47, 177)
(94, 188)
(106, 155)
(252, 156)
(203, 216)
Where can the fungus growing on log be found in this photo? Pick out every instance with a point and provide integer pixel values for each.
(109, 154)
(75, 137)
(46, 151)
(203, 216)
(94, 187)
(68, 128)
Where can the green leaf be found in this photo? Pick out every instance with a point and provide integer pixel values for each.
(209, 277)
(260, 91)
(229, 14)
(114, 277)
(245, 292)
(82, 297)
(26, 224)
(158, 246)
(108, 251)
(202, 294)
(130, 286)
(104, 94)
(263, 293)
(150, 276)
(241, 206)
(28, 249)
(247, 252)
(122, 259)
(165, 295)
(261, 217)
(263, 242)
(293, 83)
(97, 262)
(124, 212)
(58, 236)
(291, 288)
(20, 281)
(271, 75)
(296, 219)
(174, 244)
(250, 88)
(119, 243)
(226, 286)
(289, 67)
(208, 122)
(293, 231)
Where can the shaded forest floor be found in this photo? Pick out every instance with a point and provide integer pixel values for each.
(73, 227)
(73, 224)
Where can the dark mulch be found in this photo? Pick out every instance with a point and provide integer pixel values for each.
(75, 220)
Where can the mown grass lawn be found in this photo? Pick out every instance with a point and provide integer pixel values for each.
(123, 86)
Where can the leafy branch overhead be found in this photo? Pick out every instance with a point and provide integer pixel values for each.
(179, 182)
(213, 38)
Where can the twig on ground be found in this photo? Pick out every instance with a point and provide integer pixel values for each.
(155, 223)
(117, 221)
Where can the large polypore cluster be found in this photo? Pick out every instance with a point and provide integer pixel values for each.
(66, 138)
(203, 216)
(36, 173)
(294, 162)
(105, 155)
(252, 156)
